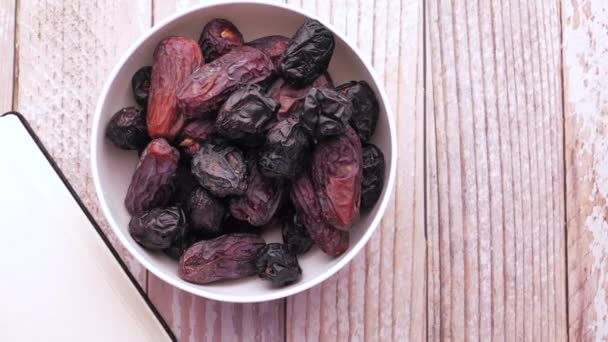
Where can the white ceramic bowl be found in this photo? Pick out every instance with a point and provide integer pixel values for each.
(112, 168)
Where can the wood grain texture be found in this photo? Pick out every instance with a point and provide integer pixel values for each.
(7, 46)
(379, 296)
(495, 196)
(197, 319)
(66, 50)
(585, 58)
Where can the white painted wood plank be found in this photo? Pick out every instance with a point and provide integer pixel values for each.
(492, 199)
(66, 50)
(585, 53)
(381, 294)
(7, 46)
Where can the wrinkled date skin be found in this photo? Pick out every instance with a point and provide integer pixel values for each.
(219, 36)
(261, 200)
(194, 134)
(175, 58)
(292, 98)
(127, 129)
(205, 213)
(295, 235)
(326, 113)
(336, 174)
(244, 116)
(278, 264)
(365, 108)
(308, 54)
(140, 84)
(303, 196)
(373, 175)
(207, 88)
(285, 148)
(153, 183)
(226, 257)
(221, 169)
(273, 47)
(158, 228)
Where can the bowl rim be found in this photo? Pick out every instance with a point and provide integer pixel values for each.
(193, 288)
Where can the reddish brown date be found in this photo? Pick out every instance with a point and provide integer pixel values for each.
(194, 134)
(273, 47)
(261, 200)
(175, 58)
(207, 88)
(292, 98)
(153, 183)
(219, 36)
(304, 198)
(226, 257)
(336, 174)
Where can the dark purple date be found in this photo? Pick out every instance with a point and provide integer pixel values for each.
(304, 198)
(261, 200)
(153, 183)
(226, 257)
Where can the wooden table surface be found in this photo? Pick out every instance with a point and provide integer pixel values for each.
(498, 229)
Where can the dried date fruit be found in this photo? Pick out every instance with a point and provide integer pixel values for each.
(158, 228)
(226, 257)
(244, 116)
(179, 246)
(207, 88)
(261, 200)
(308, 54)
(330, 240)
(285, 148)
(219, 36)
(175, 58)
(292, 98)
(153, 182)
(205, 213)
(365, 108)
(140, 84)
(373, 175)
(127, 129)
(277, 263)
(295, 235)
(194, 134)
(326, 113)
(221, 169)
(273, 47)
(336, 174)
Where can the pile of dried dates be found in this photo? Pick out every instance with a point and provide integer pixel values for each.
(235, 138)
